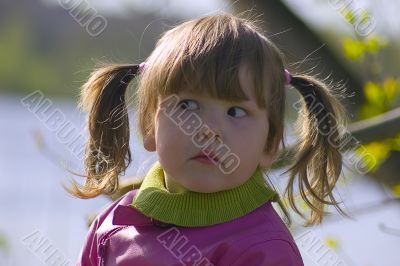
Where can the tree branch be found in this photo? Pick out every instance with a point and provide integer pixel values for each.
(380, 127)
(377, 128)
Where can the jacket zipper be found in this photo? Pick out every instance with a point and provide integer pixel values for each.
(103, 244)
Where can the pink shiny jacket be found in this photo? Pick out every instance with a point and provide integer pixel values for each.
(121, 235)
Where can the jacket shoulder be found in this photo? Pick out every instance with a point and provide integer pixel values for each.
(101, 225)
(279, 252)
(125, 200)
(266, 241)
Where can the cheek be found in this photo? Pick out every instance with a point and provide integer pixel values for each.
(251, 150)
(169, 136)
(255, 140)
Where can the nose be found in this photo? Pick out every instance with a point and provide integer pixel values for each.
(213, 126)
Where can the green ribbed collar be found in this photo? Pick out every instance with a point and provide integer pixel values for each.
(194, 209)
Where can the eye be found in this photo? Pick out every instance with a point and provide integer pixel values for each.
(237, 112)
(187, 104)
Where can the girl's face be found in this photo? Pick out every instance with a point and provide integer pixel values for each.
(242, 128)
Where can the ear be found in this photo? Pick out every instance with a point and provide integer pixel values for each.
(149, 142)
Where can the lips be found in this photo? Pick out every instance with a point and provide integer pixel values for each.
(207, 155)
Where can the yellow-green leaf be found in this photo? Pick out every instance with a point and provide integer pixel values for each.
(395, 143)
(391, 89)
(364, 17)
(374, 44)
(331, 242)
(3, 243)
(396, 191)
(348, 15)
(370, 110)
(379, 150)
(374, 93)
(304, 206)
(353, 49)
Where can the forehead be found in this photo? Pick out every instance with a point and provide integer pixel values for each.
(247, 83)
(238, 87)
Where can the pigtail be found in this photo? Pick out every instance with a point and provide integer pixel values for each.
(107, 152)
(318, 161)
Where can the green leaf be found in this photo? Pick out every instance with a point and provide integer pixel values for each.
(368, 111)
(3, 243)
(348, 15)
(374, 93)
(395, 143)
(331, 242)
(396, 191)
(364, 17)
(391, 88)
(374, 44)
(379, 150)
(352, 49)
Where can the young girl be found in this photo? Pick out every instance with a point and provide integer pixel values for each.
(210, 103)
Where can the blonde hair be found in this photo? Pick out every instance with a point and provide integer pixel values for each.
(203, 56)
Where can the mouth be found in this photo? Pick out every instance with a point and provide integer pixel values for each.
(206, 157)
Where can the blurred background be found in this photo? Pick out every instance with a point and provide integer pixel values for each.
(49, 47)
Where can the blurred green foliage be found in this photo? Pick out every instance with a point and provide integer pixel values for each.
(356, 49)
(380, 97)
(381, 94)
(43, 47)
(22, 68)
(396, 191)
(3, 243)
(355, 15)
